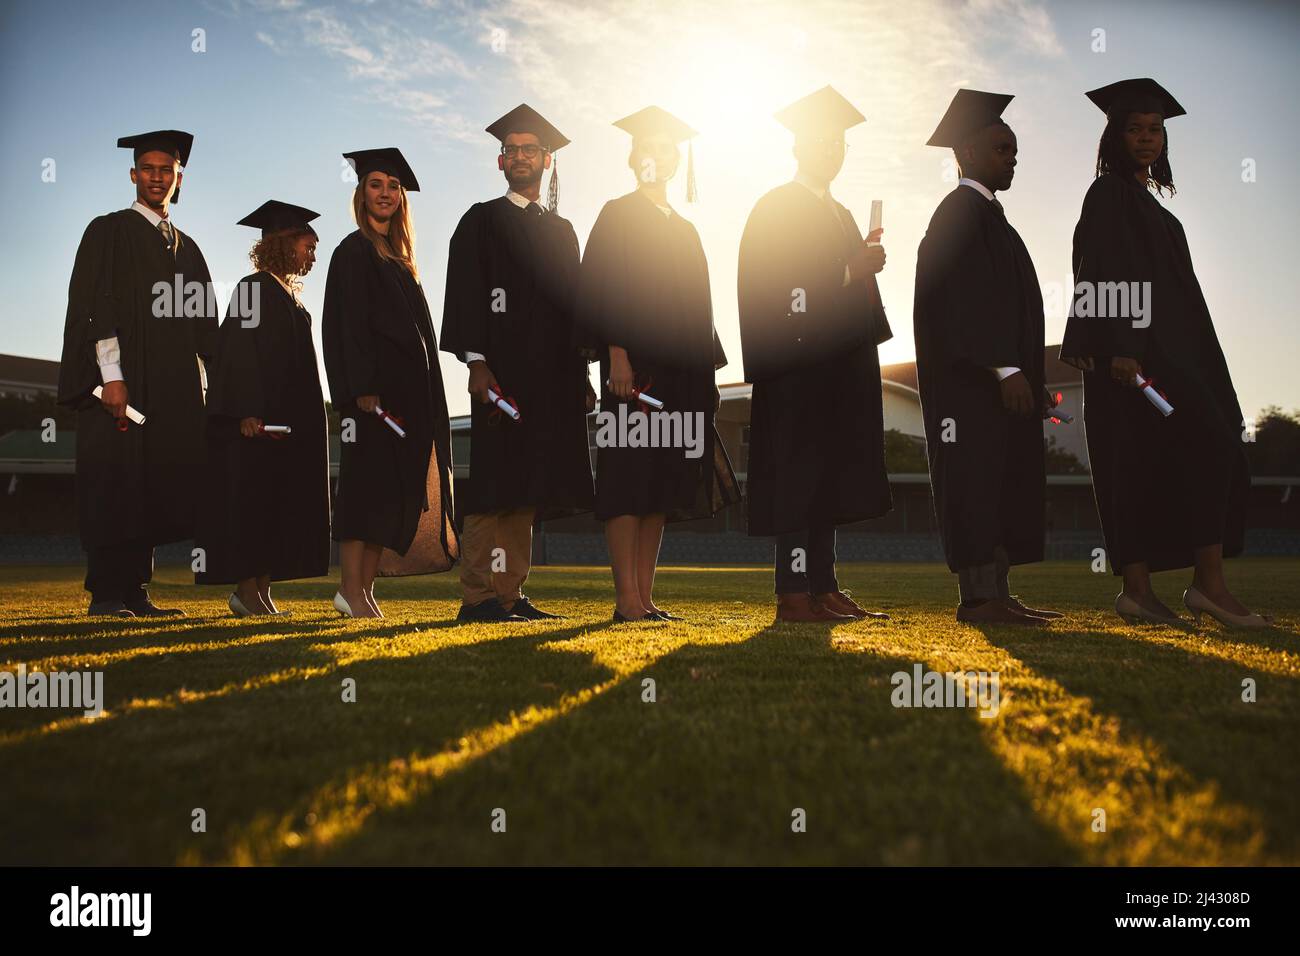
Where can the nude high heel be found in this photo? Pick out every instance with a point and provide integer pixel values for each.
(1134, 613)
(1198, 603)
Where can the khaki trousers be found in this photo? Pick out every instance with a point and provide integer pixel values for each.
(484, 574)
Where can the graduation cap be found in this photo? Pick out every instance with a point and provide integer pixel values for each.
(968, 113)
(822, 113)
(387, 160)
(524, 119)
(174, 142)
(653, 121)
(275, 216)
(1142, 95)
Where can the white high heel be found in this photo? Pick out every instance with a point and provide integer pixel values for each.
(1196, 602)
(237, 607)
(342, 606)
(1133, 612)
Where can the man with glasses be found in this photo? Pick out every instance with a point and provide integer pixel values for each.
(511, 277)
(810, 322)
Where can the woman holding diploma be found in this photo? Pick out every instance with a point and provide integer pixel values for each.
(393, 510)
(645, 312)
(1171, 490)
(266, 512)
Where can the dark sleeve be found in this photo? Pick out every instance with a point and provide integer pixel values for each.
(867, 295)
(768, 328)
(961, 311)
(347, 329)
(236, 383)
(205, 337)
(467, 298)
(92, 312)
(1109, 247)
(600, 274)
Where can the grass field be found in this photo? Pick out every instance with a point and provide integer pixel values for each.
(547, 722)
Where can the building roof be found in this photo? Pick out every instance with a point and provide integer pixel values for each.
(1057, 372)
(42, 374)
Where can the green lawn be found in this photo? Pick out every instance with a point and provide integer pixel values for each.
(547, 722)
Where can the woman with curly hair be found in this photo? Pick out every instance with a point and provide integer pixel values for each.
(1171, 488)
(265, 515)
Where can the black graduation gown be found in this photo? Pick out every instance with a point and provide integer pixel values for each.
(978, 305)
(1164, 486)
(817, 442)
(527, 339)
(141, 484)
(644, 286)
(378, 339)
(267, 508)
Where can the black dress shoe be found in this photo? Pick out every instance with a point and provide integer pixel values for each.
(143, 607)
(662, 615)
(108, 609)
(620, 619)
(531, 612)
(487, 612)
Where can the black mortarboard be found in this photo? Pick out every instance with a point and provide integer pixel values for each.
(275, 216)
(524, 119)
(968, 113)
(653, 121)
(821, 113)
(173, 141)
(1142, 95)
(387, 160)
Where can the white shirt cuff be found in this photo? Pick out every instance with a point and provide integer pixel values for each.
(109, 356)
(474, 357)
(1004, 372)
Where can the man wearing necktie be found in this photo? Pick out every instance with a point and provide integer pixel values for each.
(137, 483)
(511, 276)
(978, 319)
(811, 320)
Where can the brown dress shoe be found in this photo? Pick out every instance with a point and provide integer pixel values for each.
(995, 612)
(1015, 605)
(804, 608)
(841, 601)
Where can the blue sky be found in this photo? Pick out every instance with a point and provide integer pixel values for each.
(285, 86)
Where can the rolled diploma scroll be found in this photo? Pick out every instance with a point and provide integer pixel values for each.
(502, 404)
(278, 429)
(1154, 397)
(877, 206)
(131, 413)
(401, 432)
(641, 396)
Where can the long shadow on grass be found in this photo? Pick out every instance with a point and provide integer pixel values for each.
(123, 791)
(1191, 705)
(740, 737)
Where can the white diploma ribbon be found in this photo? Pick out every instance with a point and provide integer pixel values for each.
(1154, 397)
(502, 404)
(391, 422)
(131, 413)
(641, 396)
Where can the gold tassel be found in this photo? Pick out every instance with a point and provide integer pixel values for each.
(692, 194)
(553, 190)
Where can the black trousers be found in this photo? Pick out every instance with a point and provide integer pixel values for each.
(817, 562)
(119, 572)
